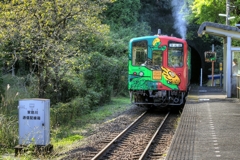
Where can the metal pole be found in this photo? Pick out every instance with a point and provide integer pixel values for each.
(212, 73)
(229, 68)
(201, 78)
(212, 67)
(227, 12)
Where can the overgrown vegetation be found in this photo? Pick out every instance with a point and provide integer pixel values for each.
(66, 126)
(9, 112)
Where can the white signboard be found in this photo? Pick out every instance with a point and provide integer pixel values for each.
(34, 116)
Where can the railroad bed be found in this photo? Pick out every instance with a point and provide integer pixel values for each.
(148, 137)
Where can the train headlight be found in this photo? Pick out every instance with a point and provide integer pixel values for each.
(141, 74)
(134, 73)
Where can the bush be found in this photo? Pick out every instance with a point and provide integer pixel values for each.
(105, 75)
(8, 132)
(63, 113)
(15, 90)
(1, 89)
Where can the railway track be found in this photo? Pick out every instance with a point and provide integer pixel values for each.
(136, 141)
(148, 137)
(162, 139)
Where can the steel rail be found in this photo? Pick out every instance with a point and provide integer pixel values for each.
(105, 149)
(153, 137)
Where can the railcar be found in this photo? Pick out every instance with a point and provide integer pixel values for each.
(159, 70)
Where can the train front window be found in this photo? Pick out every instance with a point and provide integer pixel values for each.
(139, 52)
(175, 54)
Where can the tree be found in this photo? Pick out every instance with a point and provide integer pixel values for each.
(122, 13)
(209, 10)
(123, 18)
(49, 33)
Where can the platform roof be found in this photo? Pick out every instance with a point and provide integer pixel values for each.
(220, 30)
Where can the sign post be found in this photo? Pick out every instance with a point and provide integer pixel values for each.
(211, 57)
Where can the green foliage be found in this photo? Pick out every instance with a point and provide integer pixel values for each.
(1, 88)
(123, 18)
(122, 13)
(46, 40)
(14, 87)
(63, 113)
(90, 84)
(121, 82)
(105, 75)
(100, 75)
(46, 34)
(8, 132)
(209, 11)
(118, 43)
(9, 101)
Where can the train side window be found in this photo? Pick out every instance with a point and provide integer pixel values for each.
(139, 52)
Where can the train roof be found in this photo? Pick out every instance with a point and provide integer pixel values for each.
(160, 36)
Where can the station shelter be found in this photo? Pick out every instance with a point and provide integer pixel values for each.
(230, 53)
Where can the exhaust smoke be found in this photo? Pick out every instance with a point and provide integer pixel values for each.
(179, 12)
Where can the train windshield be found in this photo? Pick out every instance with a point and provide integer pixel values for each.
(175, 54)
(140, 56)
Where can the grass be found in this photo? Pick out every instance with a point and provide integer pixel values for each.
(118, 104)
(63, 138)
(72, 132)
(66, 141)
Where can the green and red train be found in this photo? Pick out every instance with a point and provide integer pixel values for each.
(159, 70)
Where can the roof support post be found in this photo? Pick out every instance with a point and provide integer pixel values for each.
(229, 67)
(224, 63)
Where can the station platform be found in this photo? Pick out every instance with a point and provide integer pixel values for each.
(209, 128)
